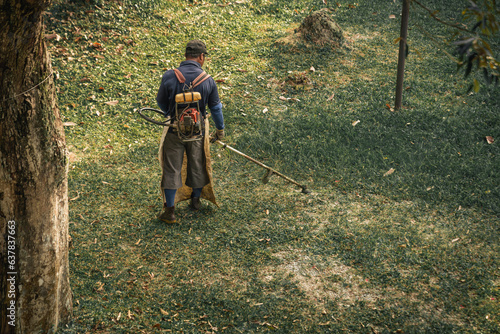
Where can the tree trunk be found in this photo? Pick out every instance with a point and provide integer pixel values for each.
(403, 45)
(34, 274)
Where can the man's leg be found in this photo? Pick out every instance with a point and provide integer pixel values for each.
(173, 153)
(195, 199)
(168, 215)
(197, 176)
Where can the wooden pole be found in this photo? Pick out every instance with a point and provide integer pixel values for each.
(402, 54)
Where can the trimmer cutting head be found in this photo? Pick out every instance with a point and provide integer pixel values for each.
(267, 176)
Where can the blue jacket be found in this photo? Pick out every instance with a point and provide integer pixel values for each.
(170, 86)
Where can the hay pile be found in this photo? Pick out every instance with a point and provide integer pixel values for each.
(317, 29)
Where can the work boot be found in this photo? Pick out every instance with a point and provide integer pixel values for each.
(168, 215)
(195, 203)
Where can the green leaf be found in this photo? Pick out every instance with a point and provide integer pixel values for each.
(476, 86)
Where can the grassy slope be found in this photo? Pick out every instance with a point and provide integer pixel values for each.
(415, 251)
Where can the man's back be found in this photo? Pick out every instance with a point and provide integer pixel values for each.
(170, 86)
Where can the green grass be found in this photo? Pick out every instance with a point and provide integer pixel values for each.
(415, 251)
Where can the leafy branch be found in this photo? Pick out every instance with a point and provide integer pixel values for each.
(474, 46)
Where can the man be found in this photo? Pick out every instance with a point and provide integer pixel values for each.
(173, 148)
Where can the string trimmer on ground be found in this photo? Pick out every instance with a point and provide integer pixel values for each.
(265, 179)
(270, 171)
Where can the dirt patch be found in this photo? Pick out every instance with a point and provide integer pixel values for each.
(318, 29)
(323, 280)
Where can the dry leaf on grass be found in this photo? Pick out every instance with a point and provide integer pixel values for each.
(53, 36)
(490, 139)
(389, 172)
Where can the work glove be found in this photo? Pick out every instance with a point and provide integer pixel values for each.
(219, 134)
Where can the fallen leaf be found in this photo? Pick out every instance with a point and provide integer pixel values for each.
(268, 325)
(119, 316)
(392, 16)
(265, 110)
(312, 69)
(355, 122)
(282, 98)
(138, 241)
(490, 140)
(163, 312)
(111, 103)
(331, 97)
(75, 198)
(53, 36)
(324, 1)
(389, 172)
(241, 70)
(69, 124)
(455, 240)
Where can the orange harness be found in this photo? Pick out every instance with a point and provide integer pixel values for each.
(188, 122)
(196, 82)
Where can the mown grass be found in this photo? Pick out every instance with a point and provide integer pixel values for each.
(415, 251)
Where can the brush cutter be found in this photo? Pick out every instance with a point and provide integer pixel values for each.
(155, 113)
(269, 172)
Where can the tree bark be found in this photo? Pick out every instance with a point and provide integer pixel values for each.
(35, 293)
(402, 54)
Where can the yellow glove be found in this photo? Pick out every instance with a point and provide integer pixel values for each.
(219, 134)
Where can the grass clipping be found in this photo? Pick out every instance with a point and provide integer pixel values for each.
(317, 29)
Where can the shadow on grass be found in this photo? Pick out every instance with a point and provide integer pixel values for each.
(440, 156)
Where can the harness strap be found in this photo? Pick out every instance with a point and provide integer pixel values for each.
(179, 76)
(202, 77)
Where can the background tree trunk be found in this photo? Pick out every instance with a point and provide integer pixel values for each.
(403, 45)
(33, 178)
